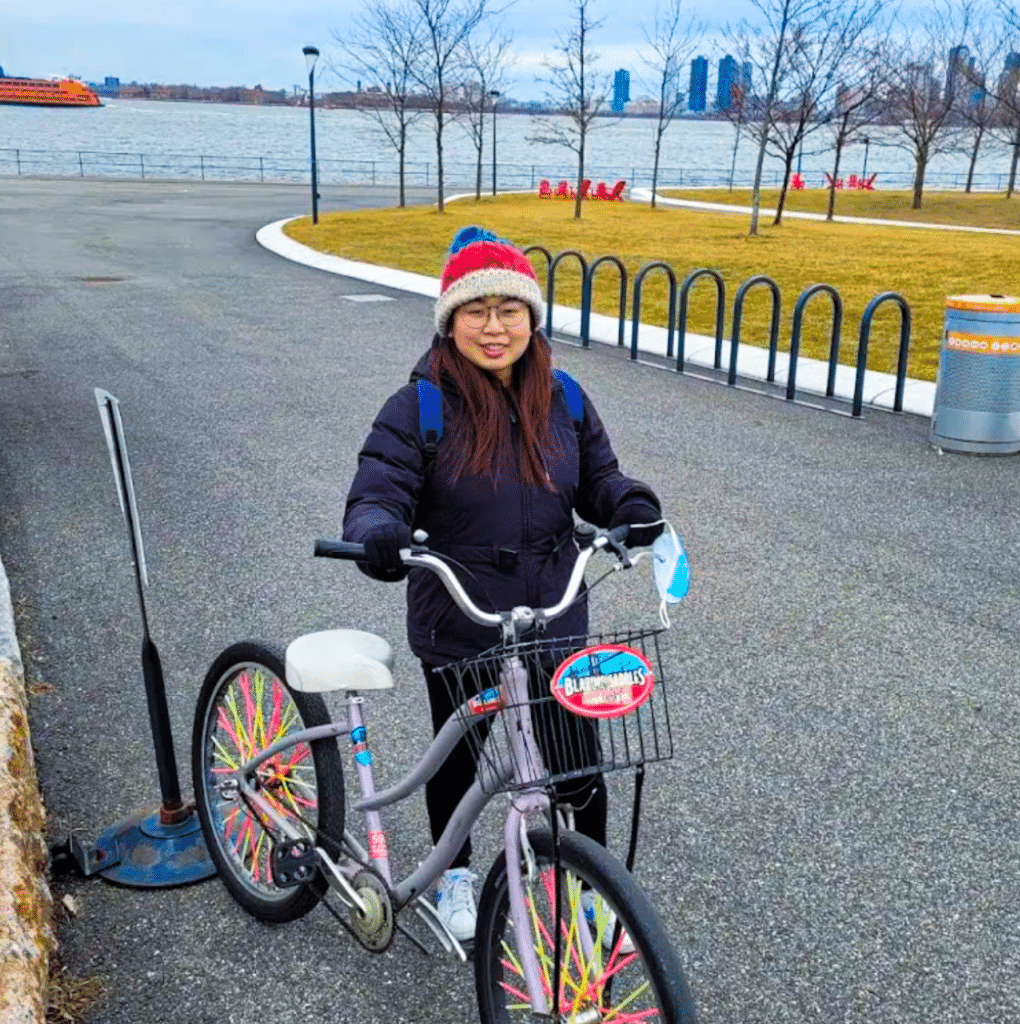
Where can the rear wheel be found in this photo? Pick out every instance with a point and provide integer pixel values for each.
(599, 980)
(244, 707)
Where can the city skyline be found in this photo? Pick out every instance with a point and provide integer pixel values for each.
(224, 43)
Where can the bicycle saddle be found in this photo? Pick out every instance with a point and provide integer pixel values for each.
(339, 659)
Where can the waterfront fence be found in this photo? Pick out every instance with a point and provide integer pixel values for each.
(417, 174)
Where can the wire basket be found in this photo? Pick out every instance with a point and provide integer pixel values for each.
(573, 746)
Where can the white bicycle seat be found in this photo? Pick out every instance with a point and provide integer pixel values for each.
(339, 659)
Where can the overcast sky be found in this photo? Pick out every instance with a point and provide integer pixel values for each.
(258, 42)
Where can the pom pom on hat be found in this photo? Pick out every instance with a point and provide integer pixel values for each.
(479, 264)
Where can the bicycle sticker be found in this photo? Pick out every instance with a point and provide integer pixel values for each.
(605, 681)
(377, 845)
(486, 702)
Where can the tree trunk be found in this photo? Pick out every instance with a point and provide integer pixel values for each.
(733, 162)
(835, 173)
(1012, 166)
(401, 157)
(756, 191)
(782, 192)
(973, 157)
(580, 177)
(919, 169)
(440, 205)
(655, 166)
(481, 136)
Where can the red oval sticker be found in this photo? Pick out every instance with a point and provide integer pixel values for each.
(605, 681)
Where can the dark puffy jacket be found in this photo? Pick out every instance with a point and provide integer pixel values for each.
(515, 540)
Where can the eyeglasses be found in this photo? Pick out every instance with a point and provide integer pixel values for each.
(509, 314)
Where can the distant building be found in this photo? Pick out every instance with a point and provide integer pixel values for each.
(109, 89)
(621, 90)
(957, 69)
(1010, 77)
(696, 97)
(729, 81)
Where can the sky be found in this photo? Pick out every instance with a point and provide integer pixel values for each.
(258, 42)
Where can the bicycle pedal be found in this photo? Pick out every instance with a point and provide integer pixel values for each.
(294, 863)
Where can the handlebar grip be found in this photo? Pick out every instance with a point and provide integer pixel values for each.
(340, 549)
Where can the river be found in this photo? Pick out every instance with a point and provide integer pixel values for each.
(229, 141)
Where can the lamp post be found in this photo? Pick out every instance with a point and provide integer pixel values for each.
(867, 142)
(311, 56)
(494, 93)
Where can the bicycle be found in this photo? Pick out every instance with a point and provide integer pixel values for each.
(571, 919)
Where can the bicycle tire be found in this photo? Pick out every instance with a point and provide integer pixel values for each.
(243, 707)
(647, 985)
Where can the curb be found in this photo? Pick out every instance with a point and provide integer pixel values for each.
(752, 362)
(26, 929)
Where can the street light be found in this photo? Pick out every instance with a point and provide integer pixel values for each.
(494, 93)
(311, 56)
(867, 142)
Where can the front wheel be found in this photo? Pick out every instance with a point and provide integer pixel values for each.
(599, 980)
(245, 706)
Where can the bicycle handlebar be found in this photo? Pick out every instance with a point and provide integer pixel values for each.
(418, 555)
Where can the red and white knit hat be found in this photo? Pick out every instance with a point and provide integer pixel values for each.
(481, 264)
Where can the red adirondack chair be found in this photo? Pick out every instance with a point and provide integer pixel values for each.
(854, 182)
(828, 181)
(586, 188)
(868, 183)
(563, 189)
(601, 192)
(545, 189)
(797, 183)
(618, 188)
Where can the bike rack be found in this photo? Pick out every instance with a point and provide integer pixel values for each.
(551, 289)
(636, 305)
(798, 324)
(738, 314)
(720, 315)
(586, 293)
(548, 283)
(862, 349)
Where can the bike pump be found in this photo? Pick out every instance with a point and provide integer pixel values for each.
(151, 848)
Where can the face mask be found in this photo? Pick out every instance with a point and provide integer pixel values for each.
(671, 570)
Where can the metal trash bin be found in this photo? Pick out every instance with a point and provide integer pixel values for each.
(977, 396)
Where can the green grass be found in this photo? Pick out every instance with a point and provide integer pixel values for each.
(859, 260)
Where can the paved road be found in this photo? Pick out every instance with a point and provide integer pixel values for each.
(836, 839)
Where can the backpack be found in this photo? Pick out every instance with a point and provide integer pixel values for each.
(430, 410)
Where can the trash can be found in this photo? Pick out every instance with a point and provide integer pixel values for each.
(977, 396)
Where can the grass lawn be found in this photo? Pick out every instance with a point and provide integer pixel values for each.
(859, 260)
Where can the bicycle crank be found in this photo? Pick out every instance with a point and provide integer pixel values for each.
(373, 928)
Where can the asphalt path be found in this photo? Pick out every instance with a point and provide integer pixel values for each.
(836, 839)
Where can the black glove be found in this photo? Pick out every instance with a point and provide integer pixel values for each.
(382, 546)
(631, 512)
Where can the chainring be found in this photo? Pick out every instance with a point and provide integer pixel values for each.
(374, 930)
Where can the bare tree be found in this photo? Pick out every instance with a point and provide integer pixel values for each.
(577, 88)
(765, 44)
(921, 79)
(446, 25)
(977, 108)
(384, 45)
(857, 109)
(487, 61)
(1006, 91)
(819, 53)
(671, 41)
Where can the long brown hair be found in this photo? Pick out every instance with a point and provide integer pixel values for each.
(480, 441)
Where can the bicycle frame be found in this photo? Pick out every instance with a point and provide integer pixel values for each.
(527, 766)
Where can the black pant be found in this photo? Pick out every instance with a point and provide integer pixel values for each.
(586, 793)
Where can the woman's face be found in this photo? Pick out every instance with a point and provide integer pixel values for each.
(493, 333)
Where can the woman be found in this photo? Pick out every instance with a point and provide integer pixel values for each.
(497, 495)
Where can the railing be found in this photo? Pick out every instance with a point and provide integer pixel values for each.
(677, 325)
(271, 168)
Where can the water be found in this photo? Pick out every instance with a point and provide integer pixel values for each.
(229, 141)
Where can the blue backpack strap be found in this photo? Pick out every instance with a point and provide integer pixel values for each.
(430, 416)
(572, 393)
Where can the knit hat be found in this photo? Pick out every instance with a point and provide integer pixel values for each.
(480, 264)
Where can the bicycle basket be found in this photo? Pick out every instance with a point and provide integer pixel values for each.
(572, 744)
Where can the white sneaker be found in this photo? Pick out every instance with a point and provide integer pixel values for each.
(599, 915)
(455, 902)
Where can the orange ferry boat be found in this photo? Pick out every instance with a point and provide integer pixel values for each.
(42, 92)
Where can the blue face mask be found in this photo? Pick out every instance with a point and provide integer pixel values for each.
(670, 567)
